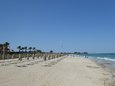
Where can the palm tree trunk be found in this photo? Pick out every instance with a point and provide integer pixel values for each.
(27, 56)
(20, 57)
(12, 56)
(3, 56)
(33, 56)
(44, 57)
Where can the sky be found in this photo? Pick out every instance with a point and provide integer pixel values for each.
(59, 25)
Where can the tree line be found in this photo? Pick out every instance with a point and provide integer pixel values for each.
(25, 52)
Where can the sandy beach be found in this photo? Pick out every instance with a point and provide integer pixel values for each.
(64, 71)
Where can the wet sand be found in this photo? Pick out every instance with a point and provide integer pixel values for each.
(108, 66)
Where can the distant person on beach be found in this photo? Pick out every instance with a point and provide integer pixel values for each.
(86, 56)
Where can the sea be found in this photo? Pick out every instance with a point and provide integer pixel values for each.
(105, 58)
(102, 56)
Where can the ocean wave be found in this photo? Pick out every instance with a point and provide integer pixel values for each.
(105, 58)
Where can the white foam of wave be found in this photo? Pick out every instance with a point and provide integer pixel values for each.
(105, 58)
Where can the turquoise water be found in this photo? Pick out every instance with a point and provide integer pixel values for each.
(104, 56)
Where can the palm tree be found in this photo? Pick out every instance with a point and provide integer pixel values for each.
(30, 48)
(12, 50)
(20, 48)
(22, 51)
(5, 49)
(51, 51)
(38, 51)
(34, 48)
(34, 52)
(25, 48)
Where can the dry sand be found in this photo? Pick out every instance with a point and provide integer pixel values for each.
(69, 71)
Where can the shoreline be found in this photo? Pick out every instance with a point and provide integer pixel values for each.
(107, 66)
